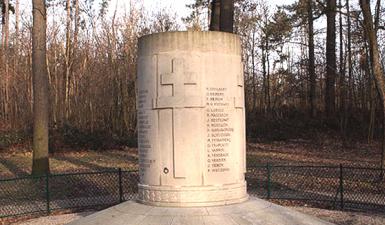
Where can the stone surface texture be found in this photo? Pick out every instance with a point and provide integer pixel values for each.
(191, 119)
(251, 212)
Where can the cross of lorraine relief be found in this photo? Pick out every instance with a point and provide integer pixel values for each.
(179, 79)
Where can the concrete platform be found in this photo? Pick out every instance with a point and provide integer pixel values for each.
(251, 212)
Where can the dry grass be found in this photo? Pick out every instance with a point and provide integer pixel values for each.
(306, 152)
(18, 162)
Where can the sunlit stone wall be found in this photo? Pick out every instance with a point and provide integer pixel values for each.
(191, 119)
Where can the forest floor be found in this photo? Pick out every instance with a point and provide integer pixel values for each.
(17, 161)
(331, 152)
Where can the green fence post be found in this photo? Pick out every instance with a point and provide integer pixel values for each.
(47, 193)
(268, 180)
(120, 185)
(341, 187)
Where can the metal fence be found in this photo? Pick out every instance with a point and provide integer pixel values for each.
(323, 186)
(333, 187)
(44, 194)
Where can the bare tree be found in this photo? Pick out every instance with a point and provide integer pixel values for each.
(311, 65)
(342, 81)
(68, 62)
(350, 63)
(331, 66)
(40, 163)
(5, 56)
(378, 71)
(17, 28)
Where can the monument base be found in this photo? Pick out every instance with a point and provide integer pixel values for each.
(251, 212)
(192, 196)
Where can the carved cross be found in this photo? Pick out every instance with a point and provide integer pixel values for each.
(179, 79)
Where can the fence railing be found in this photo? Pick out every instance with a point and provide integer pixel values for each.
(44, 194)
(335, 187)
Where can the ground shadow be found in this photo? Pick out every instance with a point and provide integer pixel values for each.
(81, 163)
(120, 156)
(13, 168)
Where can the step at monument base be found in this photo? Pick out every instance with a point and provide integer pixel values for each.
(252, 212)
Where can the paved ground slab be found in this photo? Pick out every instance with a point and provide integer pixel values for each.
(252, 212)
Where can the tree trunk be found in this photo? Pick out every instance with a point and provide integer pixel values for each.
(6, 25)
(312, 76)
(222, 16)
(6, 59)
(268, 75)
(76, 32)
(254, 88)
(40, 163)
(372, 110)
(15, 115)
(264, 75)
(350, 64)
(56, 104)
(378, 71)
(67, 74)
(209, 7)
(227, 16)
(342, 88)
(17, 22)
(331, 66)
(377, 16)
(215, 15)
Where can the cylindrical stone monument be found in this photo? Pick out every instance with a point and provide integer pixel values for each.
(191, 119)
(191, 126)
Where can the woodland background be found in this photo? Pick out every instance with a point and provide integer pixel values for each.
(308, 70)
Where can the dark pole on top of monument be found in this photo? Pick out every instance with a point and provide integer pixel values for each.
(222, 16)
(215, 15)
(227, 16)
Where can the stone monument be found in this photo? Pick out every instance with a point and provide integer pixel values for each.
(191, 134)
(191, 119)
